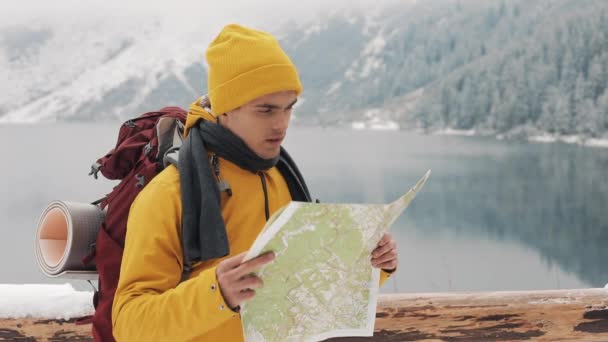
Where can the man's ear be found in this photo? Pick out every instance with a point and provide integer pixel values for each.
(222, 118)
(226, 116)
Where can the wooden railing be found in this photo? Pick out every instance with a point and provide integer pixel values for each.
(563, 315)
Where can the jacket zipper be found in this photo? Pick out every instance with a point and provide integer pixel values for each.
(266, 209)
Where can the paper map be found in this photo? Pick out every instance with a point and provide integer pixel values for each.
(321, 283)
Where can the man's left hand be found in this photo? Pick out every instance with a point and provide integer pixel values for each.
(385, 254)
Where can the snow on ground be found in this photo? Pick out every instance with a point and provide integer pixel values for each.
(375, 124)
(555, 301)
(375, 121)
(570, 139)
(63, 302)
(543, 138)
(597, 143)
(44, 301)
(457, 132)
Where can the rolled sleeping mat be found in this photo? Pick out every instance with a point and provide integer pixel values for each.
(65, 235)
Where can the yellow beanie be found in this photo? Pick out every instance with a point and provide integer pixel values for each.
(245, 64)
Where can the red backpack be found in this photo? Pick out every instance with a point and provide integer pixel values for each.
(144, 148)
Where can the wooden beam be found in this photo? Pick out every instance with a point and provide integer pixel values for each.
(564, 315)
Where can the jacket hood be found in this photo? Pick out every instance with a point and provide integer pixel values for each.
(198, 111)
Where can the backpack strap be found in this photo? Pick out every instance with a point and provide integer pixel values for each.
(170, 138)
(170, 141)
(171, 157)
(186, 270)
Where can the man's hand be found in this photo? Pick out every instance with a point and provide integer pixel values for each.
(385, 254)
(236, 279)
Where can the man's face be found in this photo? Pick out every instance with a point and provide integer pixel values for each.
(262, 123)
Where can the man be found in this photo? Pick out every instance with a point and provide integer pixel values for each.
(186, 284)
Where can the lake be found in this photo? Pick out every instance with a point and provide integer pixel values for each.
(495, 215)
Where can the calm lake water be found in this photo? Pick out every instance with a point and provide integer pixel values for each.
(494, 215)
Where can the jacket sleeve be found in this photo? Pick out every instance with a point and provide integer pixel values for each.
(385, 275)
(149, 305)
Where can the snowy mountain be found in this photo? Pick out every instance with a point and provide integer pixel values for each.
(493, 67)
(97, 68)
(102, 68)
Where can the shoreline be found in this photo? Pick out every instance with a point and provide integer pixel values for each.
(392, 126)
(544, 138)
(514, 134)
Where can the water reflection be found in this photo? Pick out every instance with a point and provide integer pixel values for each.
(549, 199)
(494, 215)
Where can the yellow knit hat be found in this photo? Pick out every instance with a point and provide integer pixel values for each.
(245, 64)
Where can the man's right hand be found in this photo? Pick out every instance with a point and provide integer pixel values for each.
(236, 279)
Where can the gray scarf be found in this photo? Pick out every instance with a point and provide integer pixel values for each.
(203, 230)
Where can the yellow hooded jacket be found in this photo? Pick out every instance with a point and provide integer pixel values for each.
(150, 302)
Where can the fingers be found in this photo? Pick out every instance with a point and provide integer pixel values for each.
(253, 264)
(250, 282)
(245, 295)
(235, 296)
(385, 255)
(236, 279)
(389, 265)
(235, 291)
(386, 237)
(231, 263)
(389, 256)
(383, 249)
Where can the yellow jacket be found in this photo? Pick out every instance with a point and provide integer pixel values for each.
(150, 302)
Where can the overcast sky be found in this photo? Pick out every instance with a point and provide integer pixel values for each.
(221, 10)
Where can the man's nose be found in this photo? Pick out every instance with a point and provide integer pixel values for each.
(282, 121)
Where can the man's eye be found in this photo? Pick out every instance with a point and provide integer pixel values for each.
(267, 111)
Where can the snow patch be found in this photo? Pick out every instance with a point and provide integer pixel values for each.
(375, 46)
(597, 143)
(351, 19)
(374, 121)
(384, 126)
(358, 125)
(371, 64)
(44, 301)
(349, 74)
(570, 139)
(370, 58)
(456, 132)
(371, 53)
(543, 138)
(334, 87)
(87, 59)
(316, 28)
(555, 301)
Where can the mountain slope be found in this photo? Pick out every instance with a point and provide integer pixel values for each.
(101, 69)
(487, 66)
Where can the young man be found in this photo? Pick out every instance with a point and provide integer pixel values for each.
(232, 175)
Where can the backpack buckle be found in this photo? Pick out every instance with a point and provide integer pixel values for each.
(95, 170)
(141, 181)
(131, 124)
(147, 148)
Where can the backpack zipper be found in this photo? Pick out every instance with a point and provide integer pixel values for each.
(223, 185)
(266, 209)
